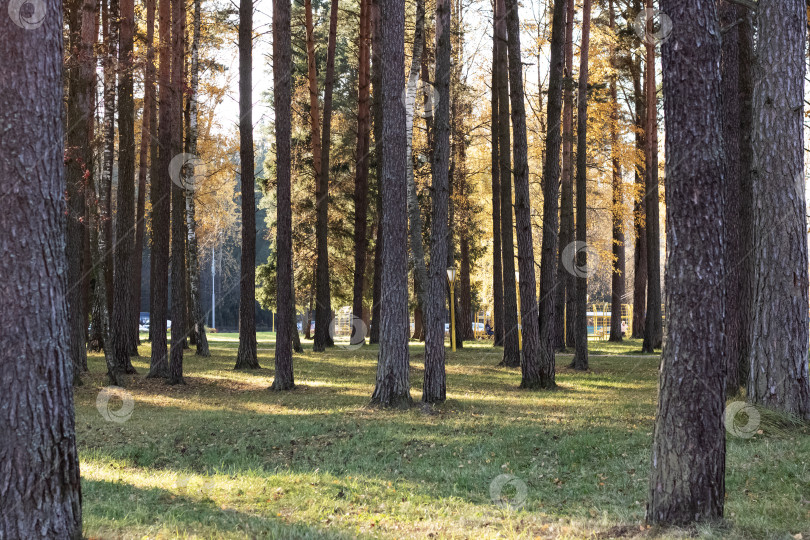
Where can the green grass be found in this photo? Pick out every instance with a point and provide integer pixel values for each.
(223, 457)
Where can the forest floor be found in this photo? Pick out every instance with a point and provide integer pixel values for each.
(224, 457)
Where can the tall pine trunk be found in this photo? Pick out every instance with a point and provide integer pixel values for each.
(39, 465)
(617, 276)
(551, 176)
(246, 355)
(688, 454)
(323, 307)
(640, 229)
(376, 109)
(511, 350)
(580, 360)
(497, 263)
(653, 333)
(282, 97)
(779, 331)
(393, 381)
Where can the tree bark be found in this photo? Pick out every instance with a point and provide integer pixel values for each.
(123, 307)
(551, 176)
(40, 492)
(246, 356)
(653, 332)
(617, 276)
(778, 376)
(361, 169)
(566, 284)
(434, 388)
(323, 308)
(580, 361)
(640, 239)
(729, 14)
(282, 67)
(534, 366)
(192, 184)
(511, 350)
(497, 265)
(160, 195)
(393, 384)
(376, 105)
(688, 454)
(178, 197)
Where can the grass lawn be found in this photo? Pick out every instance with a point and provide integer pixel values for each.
(223, 457)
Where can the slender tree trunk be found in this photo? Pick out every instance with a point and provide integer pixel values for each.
(534, 366)
(40, 491)
(393, 382)
(323, 306)
(640, 250)
(125, 206)
(688, 454)
(653, 332)
(566, 282)
(580, 361)
(511, 350)
(192, 184)
(434, 388)
(746, 59)
(246, 356)
(282, 67)
(376, 104)
(147, 142)
(779, 332)
(178, 197)
(729, 14)
(361, 170)
(617, 281)
(551, 175)
(77, 165)
(497, 265)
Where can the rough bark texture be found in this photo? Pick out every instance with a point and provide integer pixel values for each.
(40, 494)
(160, 196)
(110, 18)
(376, 106)
(778, 376)
(78, 162)
(580, 360)
(434, 386)
(640, 238)
(125, 205)
(497, 266)
(565, 307)
(393, 382)
(323, 309)
(511, 350)
(193, 269)
(730, 70)
(551, 186)
(653, 332)
(178, 268)
(534, 369)
(617, 277)
(361, 168)
(688, 455)
(246, 356)
(282, 66)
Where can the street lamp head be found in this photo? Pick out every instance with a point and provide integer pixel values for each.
(451, 274)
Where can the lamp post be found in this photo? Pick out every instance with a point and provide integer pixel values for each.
(451, 278)
(520, 329)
